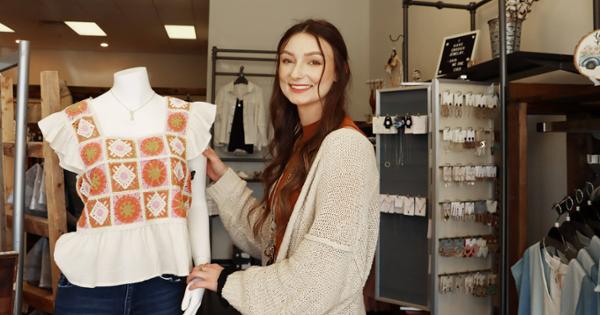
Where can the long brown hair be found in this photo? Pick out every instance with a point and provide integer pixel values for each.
(287, 127)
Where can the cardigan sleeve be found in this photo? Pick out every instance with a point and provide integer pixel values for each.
(235, 201)
(316, 277)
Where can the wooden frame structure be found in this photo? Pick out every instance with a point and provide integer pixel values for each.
(579, 103)
(56, 223)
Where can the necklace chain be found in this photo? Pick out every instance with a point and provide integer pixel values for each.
(132, 111)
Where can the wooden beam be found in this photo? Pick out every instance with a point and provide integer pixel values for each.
(8, 134)
(8, 131)
(517, 188)
(8, 272)
(553, 93)
(34, 225)
(53, 174)
(34, 149)
(38, 298)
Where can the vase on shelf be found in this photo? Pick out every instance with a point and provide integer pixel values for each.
(513, 35)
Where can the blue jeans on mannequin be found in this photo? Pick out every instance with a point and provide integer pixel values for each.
(157, 296)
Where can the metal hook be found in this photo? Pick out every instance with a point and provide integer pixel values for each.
(579, 193)
(589, 188)
(569, 207)
(396, 39)
(558, 208)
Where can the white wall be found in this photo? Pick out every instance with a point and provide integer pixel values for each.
(259, 24)
(546, 176)
(553, 26)
(89, 68)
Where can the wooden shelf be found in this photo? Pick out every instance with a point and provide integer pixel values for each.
(34, 225)
(38, 298)
(34, 149)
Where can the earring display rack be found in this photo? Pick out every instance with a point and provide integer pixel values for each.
(482, 190)
(408, 263)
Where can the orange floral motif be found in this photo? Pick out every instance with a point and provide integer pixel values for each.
(97, 181)
(81, 223)
(152, 146)
(127, 209)
(177, 122)
(76, 109)
(154, 173)
(180, 205)
(91, 153)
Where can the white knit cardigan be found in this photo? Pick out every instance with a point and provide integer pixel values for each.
(328, 247)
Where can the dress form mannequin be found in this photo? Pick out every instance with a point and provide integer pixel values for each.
(131, 91)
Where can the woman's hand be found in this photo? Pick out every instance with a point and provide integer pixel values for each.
(205, 276)
(215, 168)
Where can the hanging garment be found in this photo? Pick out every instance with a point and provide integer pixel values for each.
(573, 282)
(236, 136)
(255, 114)
(136, 194)
(539, 277)
(588, 299)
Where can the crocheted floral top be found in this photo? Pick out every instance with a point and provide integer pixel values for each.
(136, 193)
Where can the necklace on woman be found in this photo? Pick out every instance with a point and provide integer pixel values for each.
(132, 111)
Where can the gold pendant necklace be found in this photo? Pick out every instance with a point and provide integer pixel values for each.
(132, 111)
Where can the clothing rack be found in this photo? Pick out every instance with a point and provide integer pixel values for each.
(237, 55)
(579, 126)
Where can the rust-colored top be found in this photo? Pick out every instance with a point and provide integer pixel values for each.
(308, 132)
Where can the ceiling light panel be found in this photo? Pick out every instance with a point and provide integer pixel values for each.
(181, 31)
(5, 29)
(86, 28)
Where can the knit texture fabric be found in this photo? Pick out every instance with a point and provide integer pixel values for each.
(329, 244)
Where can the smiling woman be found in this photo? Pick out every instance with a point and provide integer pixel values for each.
(317, 229)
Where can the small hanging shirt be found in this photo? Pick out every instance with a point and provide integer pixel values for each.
(136, 194)
(539, 280)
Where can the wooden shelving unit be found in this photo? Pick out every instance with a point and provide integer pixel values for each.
(56, 223)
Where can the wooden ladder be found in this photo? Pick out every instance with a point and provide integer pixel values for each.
(56, 224)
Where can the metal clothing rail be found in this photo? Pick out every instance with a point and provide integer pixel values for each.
(237, 55)
(20, 145)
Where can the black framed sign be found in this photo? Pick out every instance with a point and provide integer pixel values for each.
(457, 51)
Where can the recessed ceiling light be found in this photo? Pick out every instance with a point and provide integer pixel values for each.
(181, 31)
(104, 45)
(17, 41)
(6, 29)
(86, 28)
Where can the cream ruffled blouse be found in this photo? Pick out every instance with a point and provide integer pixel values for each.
(136, 193)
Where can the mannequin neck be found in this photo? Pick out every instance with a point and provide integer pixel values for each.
(132, 87)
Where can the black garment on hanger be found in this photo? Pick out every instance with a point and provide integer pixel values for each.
(236, 137)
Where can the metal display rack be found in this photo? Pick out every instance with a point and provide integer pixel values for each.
(502, 77)
(236, 55)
